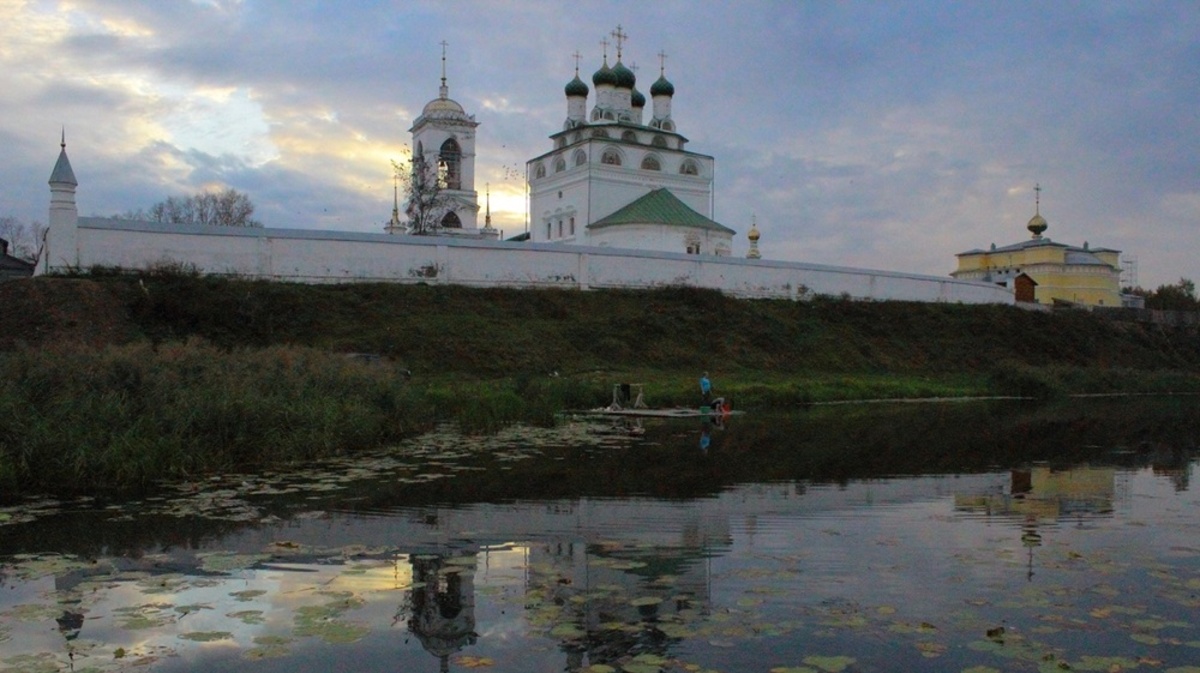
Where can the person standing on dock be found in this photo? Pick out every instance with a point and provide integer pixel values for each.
(705, 390)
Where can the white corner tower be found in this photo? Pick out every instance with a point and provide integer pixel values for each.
(62, 234)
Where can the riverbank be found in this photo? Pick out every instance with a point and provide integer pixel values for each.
(121, 380)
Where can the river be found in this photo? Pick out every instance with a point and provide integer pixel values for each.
(948, 536)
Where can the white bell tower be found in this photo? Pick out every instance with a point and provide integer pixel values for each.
(444, 136)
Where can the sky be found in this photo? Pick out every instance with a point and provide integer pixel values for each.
(874, 134)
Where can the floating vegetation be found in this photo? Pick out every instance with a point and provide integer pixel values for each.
(785, 576)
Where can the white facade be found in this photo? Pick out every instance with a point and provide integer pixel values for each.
(609, 160)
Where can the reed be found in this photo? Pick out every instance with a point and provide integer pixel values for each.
(73, 416)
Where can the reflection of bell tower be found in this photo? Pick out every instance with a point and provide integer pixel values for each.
(442, 606)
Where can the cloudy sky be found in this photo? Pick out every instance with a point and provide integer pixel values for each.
(886, 135)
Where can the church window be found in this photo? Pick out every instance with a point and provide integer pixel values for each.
(572, 226)
(560, 165)
(651, 163)
(609, 115)
(578, 137)
(611, 157)
(451, 221)
(560, 143)
(596, 115)
(599, 133)
(560, 229)
(689, 167)
(629, 137)
(693, 248)
(450, 157)
(539, 171)
(668, 125)
(580, 158)
(658, 141)
(549, 230)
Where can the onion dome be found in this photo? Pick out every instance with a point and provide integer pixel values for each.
(604, 75)
(637, 99)
(1037, 225)
(576, 87)
(662, 87)
(625, 77)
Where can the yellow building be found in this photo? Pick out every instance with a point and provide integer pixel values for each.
(1088, 276)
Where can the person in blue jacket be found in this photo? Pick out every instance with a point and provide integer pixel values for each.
(705, 389)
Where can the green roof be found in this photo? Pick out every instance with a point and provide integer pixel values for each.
(662, 207)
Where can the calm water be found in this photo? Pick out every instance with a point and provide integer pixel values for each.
(949, 537)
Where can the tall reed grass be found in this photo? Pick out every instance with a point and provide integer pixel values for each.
(72, 417)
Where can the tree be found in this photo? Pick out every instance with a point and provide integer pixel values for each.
(1180, 296)
(426, 200)
(226, 208)
(25, 240)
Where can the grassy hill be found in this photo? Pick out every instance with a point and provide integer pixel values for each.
(135, 377)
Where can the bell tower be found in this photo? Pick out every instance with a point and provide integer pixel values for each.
(443, 140)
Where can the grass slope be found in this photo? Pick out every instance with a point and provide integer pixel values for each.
(130, 378)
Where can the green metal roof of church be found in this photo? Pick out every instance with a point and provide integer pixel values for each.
(662, 207)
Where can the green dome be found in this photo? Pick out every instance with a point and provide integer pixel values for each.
(662, 87)
(625, 77)
(576, 87)
(604, 75)
(637, 99)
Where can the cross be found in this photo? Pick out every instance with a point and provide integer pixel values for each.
(1037, 199)
(620, 36)
(444, 45)
(577, 57)
(604, 45)
(662, 62)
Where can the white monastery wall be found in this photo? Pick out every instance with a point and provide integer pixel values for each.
(329, 256)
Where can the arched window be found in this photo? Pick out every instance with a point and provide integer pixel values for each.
(629, 136)
(539, 171)
(451, 221)
(651, 163)
(450, 160)
(560, 143)
(658, 141)
(560, 165)
(611, 156)
(580, 157)
(599, 133)
(668, 125)
(689, 167)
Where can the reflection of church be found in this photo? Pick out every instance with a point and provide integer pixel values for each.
(441, 606)
(1042, 495)
(1045, 493)
(619, 176)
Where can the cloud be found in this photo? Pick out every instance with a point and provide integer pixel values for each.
(878, 135)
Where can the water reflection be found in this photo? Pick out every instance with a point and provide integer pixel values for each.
(788, 542)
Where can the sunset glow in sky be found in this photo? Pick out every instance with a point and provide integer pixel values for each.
(887, 135)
